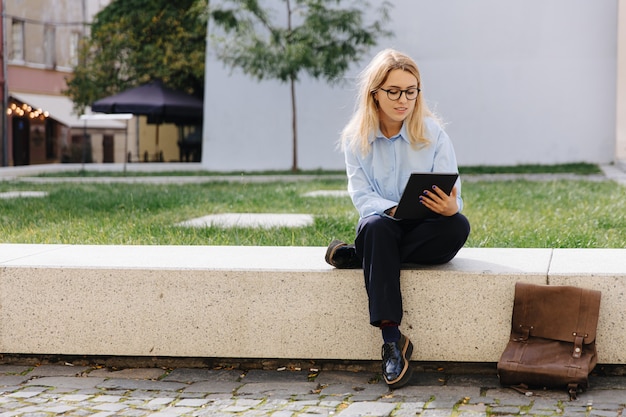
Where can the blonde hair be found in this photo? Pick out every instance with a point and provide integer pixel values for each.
(365, 121)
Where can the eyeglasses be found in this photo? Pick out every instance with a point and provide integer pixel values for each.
(409, 93)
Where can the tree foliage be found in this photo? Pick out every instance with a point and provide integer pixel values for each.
(321, 38)
(135, 41)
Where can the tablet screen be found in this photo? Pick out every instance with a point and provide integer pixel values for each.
(410, 206)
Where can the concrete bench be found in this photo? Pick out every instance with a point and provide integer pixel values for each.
(278, 302)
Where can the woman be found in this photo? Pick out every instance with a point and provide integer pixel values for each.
(391, 134)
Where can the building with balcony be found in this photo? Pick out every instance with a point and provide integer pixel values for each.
(39, 48)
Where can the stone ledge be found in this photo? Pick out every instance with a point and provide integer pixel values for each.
(278, 302)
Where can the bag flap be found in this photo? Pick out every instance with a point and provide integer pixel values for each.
(555, 312)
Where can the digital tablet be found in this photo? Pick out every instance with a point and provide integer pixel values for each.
(410, 206)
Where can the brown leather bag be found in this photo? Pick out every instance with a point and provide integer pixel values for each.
(553, 338)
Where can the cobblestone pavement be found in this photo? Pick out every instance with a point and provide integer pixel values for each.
(66, 390)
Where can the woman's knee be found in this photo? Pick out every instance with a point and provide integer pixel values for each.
(376, 229)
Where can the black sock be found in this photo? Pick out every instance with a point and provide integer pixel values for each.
(391, 332)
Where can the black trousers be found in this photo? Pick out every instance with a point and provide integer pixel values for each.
(384, 244)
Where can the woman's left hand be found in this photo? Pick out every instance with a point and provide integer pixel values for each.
(440, 202)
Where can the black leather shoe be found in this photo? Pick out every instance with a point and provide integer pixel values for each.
(342, 256)
(396, 356)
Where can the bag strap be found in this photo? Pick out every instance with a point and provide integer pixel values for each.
(589, 311)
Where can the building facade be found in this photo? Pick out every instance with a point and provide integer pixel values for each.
(39, 48)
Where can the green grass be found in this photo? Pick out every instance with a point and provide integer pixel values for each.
(553, 214)
(574, 168)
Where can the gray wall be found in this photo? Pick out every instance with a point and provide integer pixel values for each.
(516, 81)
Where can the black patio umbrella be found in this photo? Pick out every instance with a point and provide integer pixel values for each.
(160, 103)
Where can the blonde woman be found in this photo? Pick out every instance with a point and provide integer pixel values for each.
(392, 134)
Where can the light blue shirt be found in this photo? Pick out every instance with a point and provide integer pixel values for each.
(376, 181)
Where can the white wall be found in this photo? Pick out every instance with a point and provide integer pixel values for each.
(620, 146)
(517, 81)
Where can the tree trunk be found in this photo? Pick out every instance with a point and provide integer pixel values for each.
(294, 126)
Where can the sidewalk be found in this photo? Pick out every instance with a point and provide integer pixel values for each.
(65, 390)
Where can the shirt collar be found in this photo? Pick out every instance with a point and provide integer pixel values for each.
(401, 135)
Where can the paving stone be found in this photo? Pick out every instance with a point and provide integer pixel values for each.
(107, 398)
(282, 389)
(438, 413)
(603, 413)
(12, 380)
(359, 409)
(192, 402)
(260, 220)
(111, 407)
(469, 414)
(283, 413)
(507, 409)
(131, 413)
(9, 389)
(157, 403)
(57, 370)
(610, 406)
(275, 376)
(80, 412)
(66, 382)
(482, 400)
(188, 376)
(235, 409)
(567, 409)
(609, 396)
(26, 410)
(342, 389)
(413, 393)
(13, 369)
(407, 409)
(131, 373)
(174, 411)
(134, 402)
(58, 409)
(75, 398)
(298, 405)
(474, 408)
(132, 384)
(24, 394)
(371, 392)
(147, 395)
(191, 395)
(489, 381)
(443, 403)
(23, 194)
(316, 410)
(346, 378)
(213, 387)
(329, 403)
(509, 397)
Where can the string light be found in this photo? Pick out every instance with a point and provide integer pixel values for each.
(27, 111)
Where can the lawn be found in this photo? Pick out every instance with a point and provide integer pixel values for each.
(519, 213)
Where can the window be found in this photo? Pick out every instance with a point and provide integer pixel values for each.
(17, 40)
(74, 45)
(49, 44)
